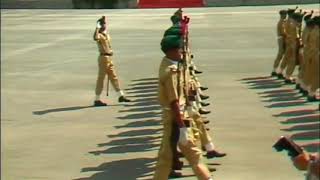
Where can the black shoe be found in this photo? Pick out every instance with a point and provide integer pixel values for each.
(203, 111)
(273, 73)
(197, 72)
(206, 121)
(202, 88)
(123, 99)
(298, 86)
(203, 97)
(311, 98)
(203, 148)
(177, 165)
(212, 169)
(303, 92)
(280, 76)
(179, 154)
(99, 103)
(288, 81)
(204, 104)
(214, 153)
(174, 174)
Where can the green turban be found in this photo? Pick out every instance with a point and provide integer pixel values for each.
(173, 30)
(171, 42)
(175, 19)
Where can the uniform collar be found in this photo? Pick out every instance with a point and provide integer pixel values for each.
(172, 61)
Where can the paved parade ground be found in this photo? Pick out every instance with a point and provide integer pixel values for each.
(50, 131)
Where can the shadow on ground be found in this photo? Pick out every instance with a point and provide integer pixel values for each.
(139, 133)
(303, 124)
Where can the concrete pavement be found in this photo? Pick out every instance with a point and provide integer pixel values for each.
(48, 70)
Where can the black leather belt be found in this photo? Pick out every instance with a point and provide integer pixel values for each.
(105, 54)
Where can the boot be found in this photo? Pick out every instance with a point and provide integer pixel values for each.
(99, 103)
(280, 76)
(202, 88)
(214, 153)
(203, 111)
(174, 174)
(312, 98)
(197, 71)
(203, 97)
(204, 104)
(123, 99)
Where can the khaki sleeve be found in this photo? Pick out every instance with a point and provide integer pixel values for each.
(98, 36)
(171, 84)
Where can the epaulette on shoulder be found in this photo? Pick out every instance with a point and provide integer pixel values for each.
(172, 68)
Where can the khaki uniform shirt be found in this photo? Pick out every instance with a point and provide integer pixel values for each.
(291, 30)
(104, 43)
(170, 77)
(280, 27)
(314, 40)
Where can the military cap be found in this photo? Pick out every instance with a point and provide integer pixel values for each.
(171, 42)
(316, 20)
(297, 17)
(306, 17)
(290, 11)
(283, 12)
(310, 22)
(173, 30)
(102, 20)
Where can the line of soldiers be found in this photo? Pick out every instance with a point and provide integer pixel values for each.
(180, 95)
(299, 46)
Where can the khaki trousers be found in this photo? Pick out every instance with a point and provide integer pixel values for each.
(106, 68)
(314, 81)
(191, 152)
(289, 59)
(280, 54)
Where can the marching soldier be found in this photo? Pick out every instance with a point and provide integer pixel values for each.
(290, 35)
(304, 37)
(170, 94)
(313, 60)
(281, 41)
(106, 66)
(191, 107)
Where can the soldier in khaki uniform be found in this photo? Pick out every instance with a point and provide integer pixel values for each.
(190, 109)
(281, 41)
(300, 84)
(289, 58)
(106, 66)
(170, 96)
(313, 60)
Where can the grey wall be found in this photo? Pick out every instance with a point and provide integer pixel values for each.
(66, 4)
(40, 4)
(256, 2)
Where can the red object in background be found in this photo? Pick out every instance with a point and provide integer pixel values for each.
(170, 3)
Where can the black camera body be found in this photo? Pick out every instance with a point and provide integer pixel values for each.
(287, 144)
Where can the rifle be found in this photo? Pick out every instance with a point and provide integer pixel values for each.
(176, 164)
(185, 34)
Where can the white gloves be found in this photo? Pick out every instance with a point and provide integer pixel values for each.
(98, 25)
(183, 136)
(301, 51)
(192, 111)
